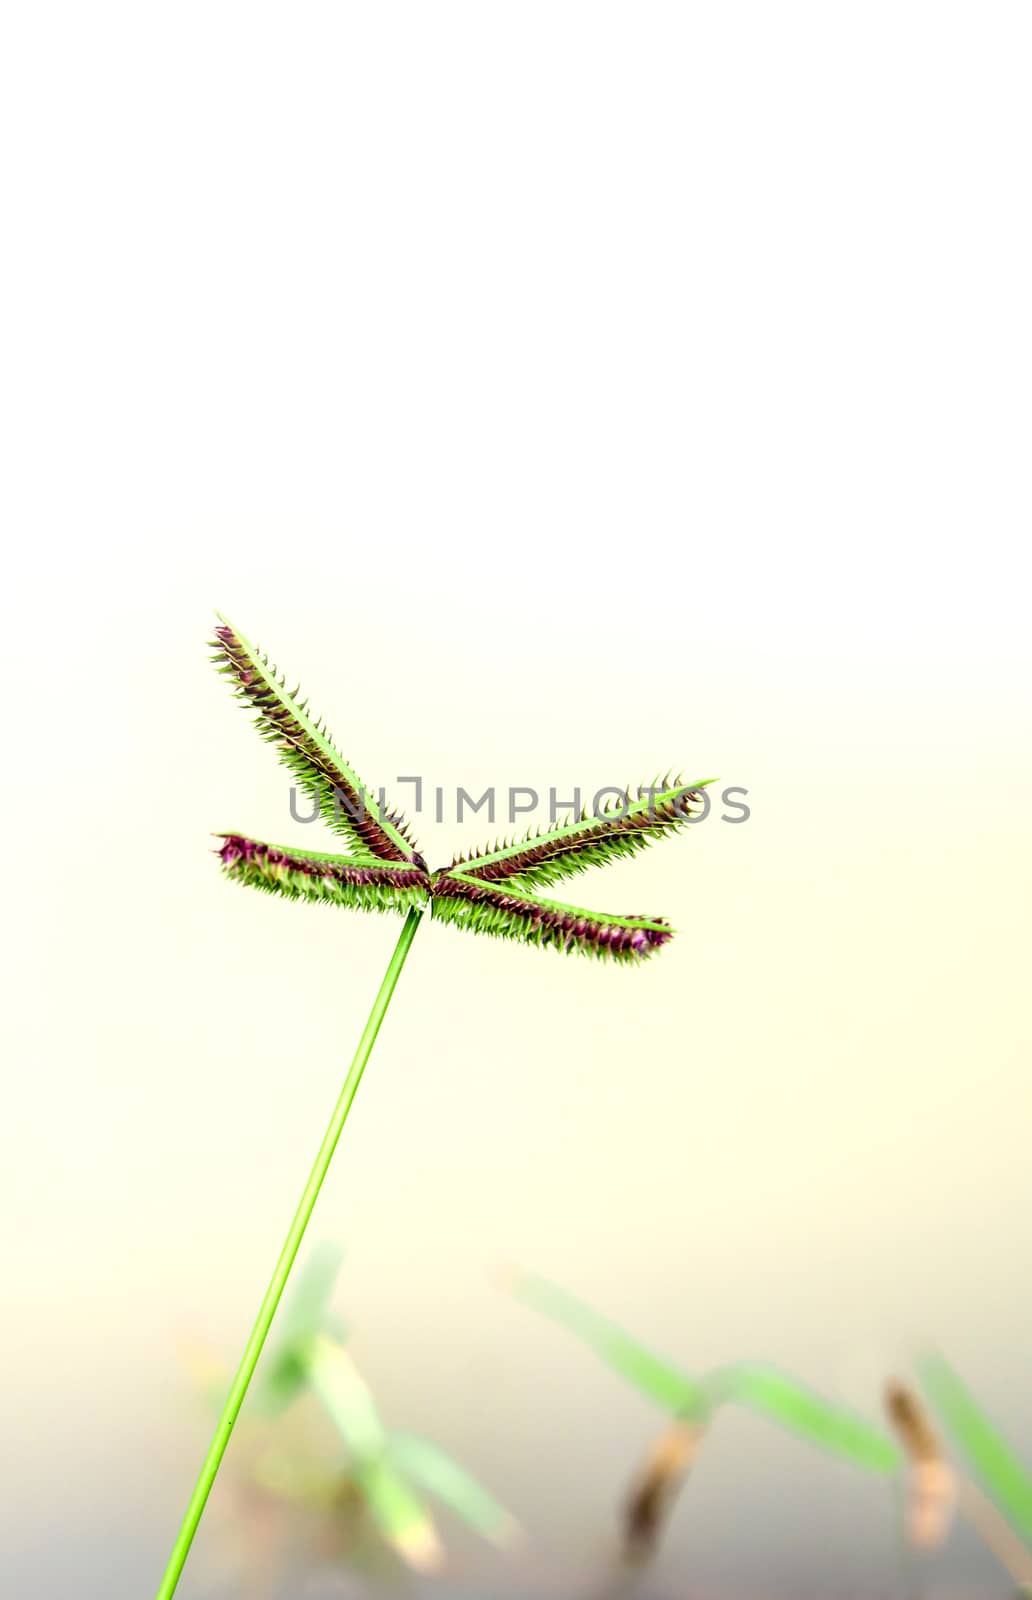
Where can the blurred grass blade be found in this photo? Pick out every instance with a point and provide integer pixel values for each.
(348, 1401)
(998, 1536)
(399, 1514)
(442, 1477)
(307, 1311)
(670, 1388)
(764, 1389)
(796, 1408)
(993, 1462)
(305, 1316)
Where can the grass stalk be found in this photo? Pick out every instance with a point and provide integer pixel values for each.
(273, 1294)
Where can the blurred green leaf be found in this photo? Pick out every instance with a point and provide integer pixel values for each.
(993, 1462)
(452, 1485)
(303, 1318)
(347, 1399)
(802, 1412)
(667, 1385)
(762, 1388)
(399, 1514)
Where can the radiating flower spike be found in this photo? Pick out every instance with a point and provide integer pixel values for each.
(491, 891)
(590, 840)
(506, 911)
(306, 749)
(362, 883)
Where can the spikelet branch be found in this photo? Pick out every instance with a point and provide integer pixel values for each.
(591, 840)
(508, 912)
(361, 884)
(308, 752)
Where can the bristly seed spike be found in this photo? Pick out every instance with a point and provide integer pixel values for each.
(308, 753)
(544, 857)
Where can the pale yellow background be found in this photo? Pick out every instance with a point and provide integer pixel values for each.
(561, 395)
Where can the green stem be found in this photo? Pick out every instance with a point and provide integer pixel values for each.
(273, 1293)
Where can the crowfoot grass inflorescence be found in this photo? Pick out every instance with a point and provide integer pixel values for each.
(491, 891)
(388, 873)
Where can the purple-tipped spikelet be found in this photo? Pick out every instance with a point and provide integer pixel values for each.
(590, 840)
(486, 908)
(334, 880)
(306, 748)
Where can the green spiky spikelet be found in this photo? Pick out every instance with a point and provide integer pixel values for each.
(591, 840)
(306, 749)
(329, 879)
(491, 909)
